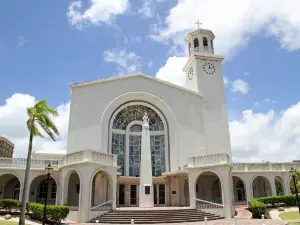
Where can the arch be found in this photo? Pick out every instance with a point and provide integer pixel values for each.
(72, 189)
(261, 186)
(10, 186)
(38, 189)
(210, 188)
(102, 190)
(143, 97)
(279, 186)
(239, 191)
(121, 120)
(205, 42)
(196, 44)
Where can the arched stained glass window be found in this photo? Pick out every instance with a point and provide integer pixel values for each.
(125, 138)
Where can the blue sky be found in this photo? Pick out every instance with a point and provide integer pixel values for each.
(47, 45)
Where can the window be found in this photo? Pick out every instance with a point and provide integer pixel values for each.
(118, 148)
(125, 137)
(43, 189)
(53, 190)
(134, 155)
(196, 44)
(205, 43)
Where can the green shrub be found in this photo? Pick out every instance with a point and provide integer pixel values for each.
(257, 208)
(10, 204)
(258, 205)
(55, 213)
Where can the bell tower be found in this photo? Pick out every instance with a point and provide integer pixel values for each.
(203, 68)
(204, 75)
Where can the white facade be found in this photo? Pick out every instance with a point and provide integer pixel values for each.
(181, 158)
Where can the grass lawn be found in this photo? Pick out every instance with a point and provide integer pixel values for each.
(293, 223)
(293, 215)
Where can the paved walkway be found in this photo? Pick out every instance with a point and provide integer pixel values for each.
(16, 219)
(243, 213)
(274, 213)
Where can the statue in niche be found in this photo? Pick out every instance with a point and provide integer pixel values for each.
(145, 120)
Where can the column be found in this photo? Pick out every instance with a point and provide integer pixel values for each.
(146, 187)
(227, 193)
(192, 186)
(286, 183)
(273, 186)
(85, 195)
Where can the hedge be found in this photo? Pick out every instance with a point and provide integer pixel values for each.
(258, 206)
(55, 213)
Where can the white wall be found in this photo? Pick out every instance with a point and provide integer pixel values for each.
(182, 109)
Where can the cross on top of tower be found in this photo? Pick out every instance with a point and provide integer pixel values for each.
(139, 66)
(198, 23)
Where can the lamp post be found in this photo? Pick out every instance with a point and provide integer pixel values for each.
(293, 173)
(49, 170)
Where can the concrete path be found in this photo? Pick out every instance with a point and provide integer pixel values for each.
(274, 213)
(16, 219)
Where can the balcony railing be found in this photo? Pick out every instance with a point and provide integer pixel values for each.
(264, 166)
(205, 160)
(223, 159)
(69, 159)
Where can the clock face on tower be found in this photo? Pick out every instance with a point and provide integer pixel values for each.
(190, 73)
(209, 68)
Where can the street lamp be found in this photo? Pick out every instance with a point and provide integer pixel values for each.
(49, 170)
(293, 174)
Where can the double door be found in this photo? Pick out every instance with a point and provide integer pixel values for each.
(127, 195)
(159, 194)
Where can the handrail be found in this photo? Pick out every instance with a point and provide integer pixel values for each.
(212, 203)
(95, 207)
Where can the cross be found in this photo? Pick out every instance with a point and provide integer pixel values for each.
(198, 23)
(139, 67)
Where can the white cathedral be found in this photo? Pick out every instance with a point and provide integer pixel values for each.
(137, 141)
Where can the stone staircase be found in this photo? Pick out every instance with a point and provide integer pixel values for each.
(155, 216)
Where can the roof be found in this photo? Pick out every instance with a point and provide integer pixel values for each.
(200, 30)
(7, 141)
(50, 151)
(130, 76)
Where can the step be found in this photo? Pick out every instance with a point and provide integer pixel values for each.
(155, 216)
(155, 221)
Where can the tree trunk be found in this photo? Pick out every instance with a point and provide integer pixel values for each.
(26, 184)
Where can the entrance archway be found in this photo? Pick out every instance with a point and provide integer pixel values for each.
(9, 187)
(261, 187)
(38, 190)
(239, 189)
(101, 188)
(209, 187)
(279, 186)
(72, 181)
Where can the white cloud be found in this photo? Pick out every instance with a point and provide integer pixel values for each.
(240, 86)
(226, 81)
(172, 71)
(233, 26)
(99, 11)
(21, 41)
(150, 64)
(126, 61)
(13, 119)
(266, 136)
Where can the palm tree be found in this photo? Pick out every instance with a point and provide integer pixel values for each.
(38, 124)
